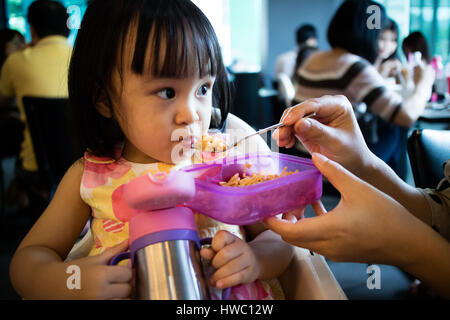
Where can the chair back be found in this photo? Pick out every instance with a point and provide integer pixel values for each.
(286, 89)
(246, 101)
(428, 150)
(55, 145)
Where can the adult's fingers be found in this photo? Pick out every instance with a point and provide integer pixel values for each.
(312, 132)
(326, 108)
(343, 180)
(302, 231)
(318, 208)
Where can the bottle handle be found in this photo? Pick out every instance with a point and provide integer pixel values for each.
(119, 257)
(227, 291)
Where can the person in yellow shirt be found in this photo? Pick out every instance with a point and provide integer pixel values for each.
(39, 70)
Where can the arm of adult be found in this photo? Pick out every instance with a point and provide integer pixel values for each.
(414, 105)
(371, 227)
(334, 132)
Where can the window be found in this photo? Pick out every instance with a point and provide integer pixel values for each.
(431, 17)
(17, 12)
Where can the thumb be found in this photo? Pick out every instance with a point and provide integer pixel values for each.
(344, 181)
(313, 131)
(106, 256)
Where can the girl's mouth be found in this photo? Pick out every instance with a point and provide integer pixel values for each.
(188, 142)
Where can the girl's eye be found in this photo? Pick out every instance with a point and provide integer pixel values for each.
(203, 90)
(167, 93)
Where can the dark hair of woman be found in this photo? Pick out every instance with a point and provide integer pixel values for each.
(349, 28)
(392, 26)
(416, 41)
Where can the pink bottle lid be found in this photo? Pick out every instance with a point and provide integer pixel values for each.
(152, 192)
(178, 218)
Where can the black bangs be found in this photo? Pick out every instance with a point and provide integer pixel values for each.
(180, 39)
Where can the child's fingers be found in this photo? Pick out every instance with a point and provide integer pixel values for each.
(222, 239)
(118, 274)
(207, 253)
(230, 252)
(232, 280)
(106, 256)
(232, 267)
(119, 291)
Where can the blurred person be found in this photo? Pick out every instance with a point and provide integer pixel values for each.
(39, 70)
(11, 127)
(10, 42)
(387, 62)
(416, 42)
(306, 36)
(348, 69)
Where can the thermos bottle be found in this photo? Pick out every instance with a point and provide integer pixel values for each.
(164, 240)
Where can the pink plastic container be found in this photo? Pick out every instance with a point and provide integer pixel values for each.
(249, 204)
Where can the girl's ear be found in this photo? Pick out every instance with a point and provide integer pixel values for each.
(103, 109)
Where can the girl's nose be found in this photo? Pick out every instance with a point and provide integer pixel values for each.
(186, 113)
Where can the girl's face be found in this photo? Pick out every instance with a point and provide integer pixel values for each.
(162, 117)
(387, 44)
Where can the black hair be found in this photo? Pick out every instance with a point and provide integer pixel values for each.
(348, 29)
(48, 18)
(416, 41)
(302, 55)
(304, 33)
(7, 35)
(177, 25)
(391, 25)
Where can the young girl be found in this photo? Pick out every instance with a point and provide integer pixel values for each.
(141, 70)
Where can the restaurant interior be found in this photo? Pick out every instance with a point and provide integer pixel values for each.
(259, 41)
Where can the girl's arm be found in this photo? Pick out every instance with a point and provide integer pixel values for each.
(50, 239)
(38, 270)
(272, 253)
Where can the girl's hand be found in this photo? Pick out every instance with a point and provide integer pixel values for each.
(101, 281)
(233, 259)
(366, 226)
(334, 132)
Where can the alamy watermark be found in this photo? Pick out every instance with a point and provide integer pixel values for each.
(374, 280)
(374, 20)
(74, 280)
(74, 20)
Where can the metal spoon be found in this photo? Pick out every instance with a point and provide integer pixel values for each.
(278, 125)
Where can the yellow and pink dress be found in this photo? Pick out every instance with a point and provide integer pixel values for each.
(102, 176)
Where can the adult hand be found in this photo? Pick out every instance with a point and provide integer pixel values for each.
(366, 226)
(333, 132)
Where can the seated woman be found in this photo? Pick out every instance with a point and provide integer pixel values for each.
(415, 43)
(347, 69)
(387, 62)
